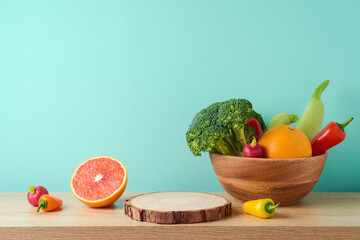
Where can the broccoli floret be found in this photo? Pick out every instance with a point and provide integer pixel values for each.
(221, 128)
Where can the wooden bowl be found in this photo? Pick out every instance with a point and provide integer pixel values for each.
(283, 180)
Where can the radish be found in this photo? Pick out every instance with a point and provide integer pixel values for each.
(253, 150)
(35, 193)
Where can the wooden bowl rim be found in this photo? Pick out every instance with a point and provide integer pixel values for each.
(237, 158)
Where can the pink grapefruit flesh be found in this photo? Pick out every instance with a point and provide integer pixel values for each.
(99, 181)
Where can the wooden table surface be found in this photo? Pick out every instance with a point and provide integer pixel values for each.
(317, 216)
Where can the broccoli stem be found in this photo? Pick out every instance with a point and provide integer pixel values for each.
(225, 146)
(240, 136)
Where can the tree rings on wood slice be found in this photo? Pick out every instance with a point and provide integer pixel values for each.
(177, 207)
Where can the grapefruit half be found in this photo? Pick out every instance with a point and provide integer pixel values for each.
(99, 181)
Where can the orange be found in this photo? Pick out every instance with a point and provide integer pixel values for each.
(285, 141)
(99, 181)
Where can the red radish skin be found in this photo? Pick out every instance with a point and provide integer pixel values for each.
(253, 150)
(35, 193)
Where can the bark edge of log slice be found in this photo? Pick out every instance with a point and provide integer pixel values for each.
(182, 216)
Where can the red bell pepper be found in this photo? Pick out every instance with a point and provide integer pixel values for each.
(256, 126)
(330, 136)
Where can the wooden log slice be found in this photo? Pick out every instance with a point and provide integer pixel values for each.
(177, 207)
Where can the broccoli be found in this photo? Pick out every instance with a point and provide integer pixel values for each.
(221, 128)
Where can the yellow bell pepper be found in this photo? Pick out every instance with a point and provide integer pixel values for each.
(262, 208)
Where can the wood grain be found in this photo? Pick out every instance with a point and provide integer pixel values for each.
(284, 180)
(317, 216)
(177, 207)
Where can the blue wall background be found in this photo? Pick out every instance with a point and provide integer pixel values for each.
(125, 78)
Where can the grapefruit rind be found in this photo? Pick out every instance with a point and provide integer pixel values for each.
(104, 201)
